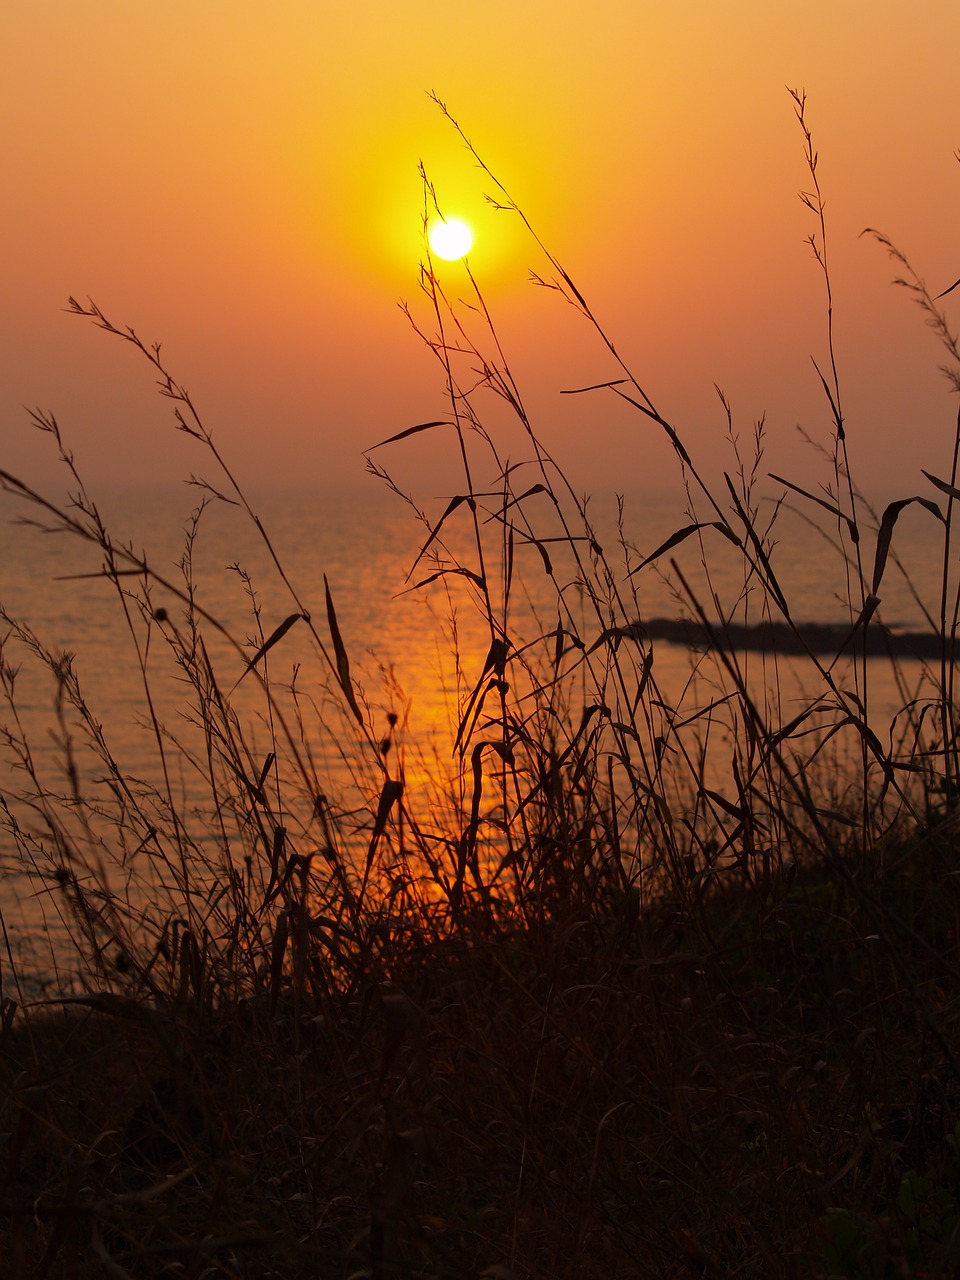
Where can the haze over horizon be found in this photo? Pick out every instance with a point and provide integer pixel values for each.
(243, 187)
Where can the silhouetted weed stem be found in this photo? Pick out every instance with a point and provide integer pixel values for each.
(949, 611)
(573, 295)
(843, 471)
(190, 422)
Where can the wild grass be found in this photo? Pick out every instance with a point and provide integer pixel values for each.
(650, 982)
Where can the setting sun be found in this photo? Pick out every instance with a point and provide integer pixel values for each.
(450, 238)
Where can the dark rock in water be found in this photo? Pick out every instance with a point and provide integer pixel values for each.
(805, 637)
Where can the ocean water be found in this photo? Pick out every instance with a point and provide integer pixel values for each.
(414, 652)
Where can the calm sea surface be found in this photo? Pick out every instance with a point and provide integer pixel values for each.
(398, 641)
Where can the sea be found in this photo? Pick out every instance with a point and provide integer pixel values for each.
(312, 589)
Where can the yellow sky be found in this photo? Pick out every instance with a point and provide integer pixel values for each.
(240, 181)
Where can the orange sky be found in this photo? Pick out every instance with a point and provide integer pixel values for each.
(240, 181)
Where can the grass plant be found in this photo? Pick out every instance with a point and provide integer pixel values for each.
(645, 984)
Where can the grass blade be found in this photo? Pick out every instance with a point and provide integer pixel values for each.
(681, 535)
(950, 490)
(410, 431)
(276, 636)
(343, 662)
(890, 516)
(434, 532)
(390, 793)
(827, 506)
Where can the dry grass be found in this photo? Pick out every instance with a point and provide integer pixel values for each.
(647, 988)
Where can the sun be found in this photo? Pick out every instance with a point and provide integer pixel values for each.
(450, 238)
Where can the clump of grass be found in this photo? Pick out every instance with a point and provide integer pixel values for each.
(655, 983)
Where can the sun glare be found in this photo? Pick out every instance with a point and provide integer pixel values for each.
(450, 238)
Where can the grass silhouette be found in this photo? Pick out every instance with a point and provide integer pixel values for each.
(649, 985)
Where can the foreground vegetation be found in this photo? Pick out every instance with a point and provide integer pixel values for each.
(755, 1085)
(648, 986)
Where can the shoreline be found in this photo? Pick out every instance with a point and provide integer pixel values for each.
(801, 638)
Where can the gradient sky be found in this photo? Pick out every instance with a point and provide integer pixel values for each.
(240, 182)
